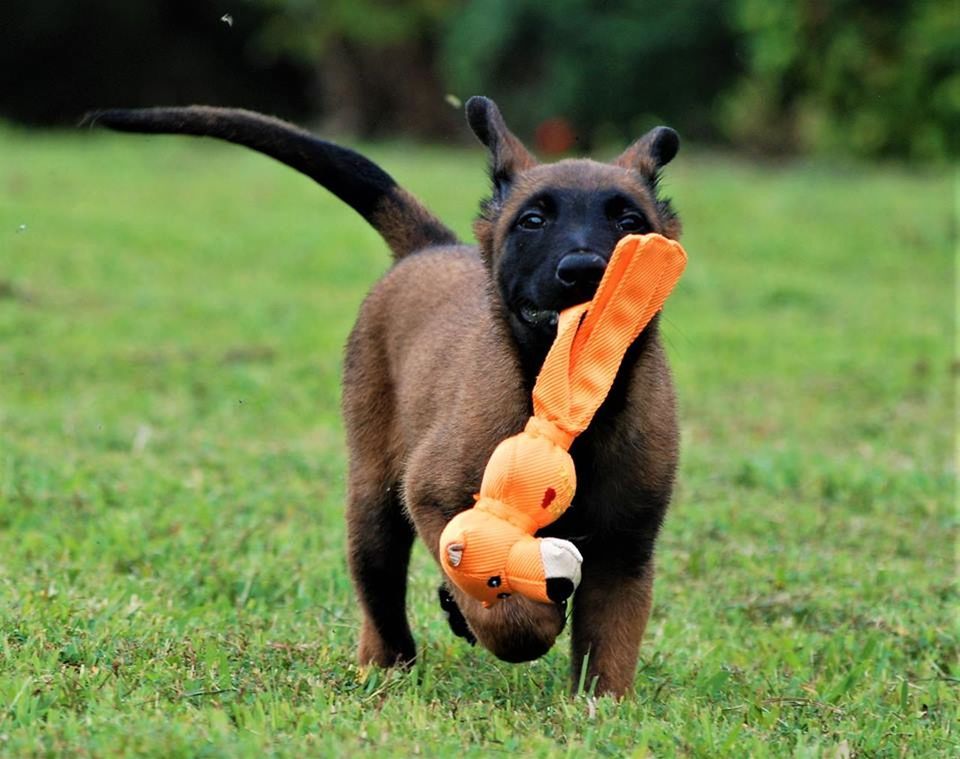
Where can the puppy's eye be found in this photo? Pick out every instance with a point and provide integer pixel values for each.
(632, 222)
(532, 221)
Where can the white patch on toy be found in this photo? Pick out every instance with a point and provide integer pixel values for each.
(560, 559)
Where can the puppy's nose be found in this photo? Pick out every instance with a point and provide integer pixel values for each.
(581, 269)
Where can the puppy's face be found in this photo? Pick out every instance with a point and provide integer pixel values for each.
(556, 231)
(548, 231)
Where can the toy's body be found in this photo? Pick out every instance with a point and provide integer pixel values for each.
(490, 551)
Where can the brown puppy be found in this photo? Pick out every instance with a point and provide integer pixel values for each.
(441, 362)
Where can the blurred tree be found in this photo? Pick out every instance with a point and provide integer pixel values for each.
(877, 79)
(872, 78)
(612, 69)
(375, 60)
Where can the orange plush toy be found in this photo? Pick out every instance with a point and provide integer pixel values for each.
(489, 551)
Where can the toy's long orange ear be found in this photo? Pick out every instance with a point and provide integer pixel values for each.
(584, 359)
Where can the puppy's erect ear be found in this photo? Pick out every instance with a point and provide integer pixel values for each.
(508, 156)
(648, 155)
(651, 152)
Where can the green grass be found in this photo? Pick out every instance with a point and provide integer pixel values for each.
(172, 572)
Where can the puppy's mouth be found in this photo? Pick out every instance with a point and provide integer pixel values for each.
(539, 318)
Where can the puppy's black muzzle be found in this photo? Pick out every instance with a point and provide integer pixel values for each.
(578, 275)
(581, 270)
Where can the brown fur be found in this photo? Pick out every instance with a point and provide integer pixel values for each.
(433, 382)
(404, 223)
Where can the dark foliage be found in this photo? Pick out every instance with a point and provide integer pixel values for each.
(59, 58)
(851, 76)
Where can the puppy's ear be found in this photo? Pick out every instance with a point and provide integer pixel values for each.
(651, 152)
(508, 156)
(648, 155)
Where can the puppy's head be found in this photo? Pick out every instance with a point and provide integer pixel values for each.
(547, 231)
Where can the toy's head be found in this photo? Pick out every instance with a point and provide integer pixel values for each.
(489, 551)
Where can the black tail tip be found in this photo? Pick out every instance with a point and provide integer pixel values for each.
(89, 119)
(112, 118)
(126, 119)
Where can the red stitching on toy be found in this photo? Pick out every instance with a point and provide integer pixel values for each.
(548, 498)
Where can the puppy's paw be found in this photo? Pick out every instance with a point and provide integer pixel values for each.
(375, 650)
(561, 567)
(455, 617)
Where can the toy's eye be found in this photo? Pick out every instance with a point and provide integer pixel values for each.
(532, 221)
(632, 222)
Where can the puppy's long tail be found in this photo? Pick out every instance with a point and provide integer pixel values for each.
(400, 218)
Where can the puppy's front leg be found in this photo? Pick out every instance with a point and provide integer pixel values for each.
(610, 613)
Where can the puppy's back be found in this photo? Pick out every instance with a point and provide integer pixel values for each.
(428, 345)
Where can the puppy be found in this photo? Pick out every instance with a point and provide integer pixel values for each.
(440, 365)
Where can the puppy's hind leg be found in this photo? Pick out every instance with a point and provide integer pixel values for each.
(380, 538)
(379, 534)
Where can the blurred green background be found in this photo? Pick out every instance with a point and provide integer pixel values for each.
(770, 76)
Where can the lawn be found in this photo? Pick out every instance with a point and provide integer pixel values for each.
(172, 570)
